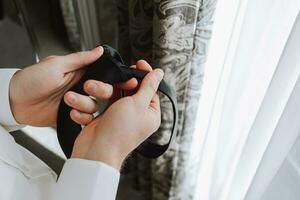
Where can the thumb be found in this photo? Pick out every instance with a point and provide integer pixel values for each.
(75, 61)
(149, 87)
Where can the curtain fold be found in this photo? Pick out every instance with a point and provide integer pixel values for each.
(257, 69)
(173, 35)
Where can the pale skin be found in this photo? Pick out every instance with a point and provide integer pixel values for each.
(35, 93)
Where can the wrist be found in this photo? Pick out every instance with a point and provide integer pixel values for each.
(105, 155)
(109, 159)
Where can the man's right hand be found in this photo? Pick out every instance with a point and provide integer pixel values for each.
(124, 125)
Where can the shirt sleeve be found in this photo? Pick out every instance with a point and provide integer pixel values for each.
(86, 179)
(7, 119)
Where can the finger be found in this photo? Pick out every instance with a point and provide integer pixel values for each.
(81, 118)
(149, 86)
(74, 61)
(130, 84)
(80, 102)
(119, 87)
(117, 94)
(133, 83)
(143, 65)
(98, 89)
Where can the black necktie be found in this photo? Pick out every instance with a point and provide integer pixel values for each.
(110, 68)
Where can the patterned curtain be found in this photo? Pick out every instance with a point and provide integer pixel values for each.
(173, 35)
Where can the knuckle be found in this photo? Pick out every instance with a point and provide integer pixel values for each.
(87, 104)
(99, 93)
(88, 86)
(77, 58)
(104, 90)
(51, 57)
(108, 90)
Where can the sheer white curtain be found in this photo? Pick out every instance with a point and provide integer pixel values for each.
(248, 93)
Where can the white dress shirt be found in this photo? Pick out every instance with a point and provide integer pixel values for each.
(24, 176)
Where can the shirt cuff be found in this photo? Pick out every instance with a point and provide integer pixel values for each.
(6, 117)
(87, 179)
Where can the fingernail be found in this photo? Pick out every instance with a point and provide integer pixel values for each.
(78, 113)
(159, 74)
(92, 87)
(72, 98)
(98, 48)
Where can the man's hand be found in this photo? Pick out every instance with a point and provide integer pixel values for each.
(36, 91)
(124, 125)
